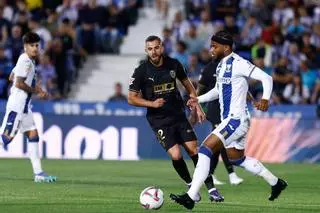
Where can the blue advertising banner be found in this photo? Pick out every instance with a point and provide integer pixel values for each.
(121, 132)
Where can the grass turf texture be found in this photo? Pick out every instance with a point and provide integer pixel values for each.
(114, 186)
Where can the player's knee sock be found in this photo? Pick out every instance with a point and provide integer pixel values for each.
(256, 167)
(33, 150)
(181, 167)
(214, 162)
(195, 159)
(209, 181)
(201, 172)
(226, 161)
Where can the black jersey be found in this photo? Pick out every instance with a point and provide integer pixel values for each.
(208, 80)
(160, 82)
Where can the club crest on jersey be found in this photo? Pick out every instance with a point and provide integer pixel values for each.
(228, 67)
(173, 73)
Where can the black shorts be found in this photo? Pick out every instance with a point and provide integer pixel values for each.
(178, 133)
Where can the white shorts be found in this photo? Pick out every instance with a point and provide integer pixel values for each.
(232, 132)
(13, 121)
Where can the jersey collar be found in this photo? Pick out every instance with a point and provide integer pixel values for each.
(225, 59)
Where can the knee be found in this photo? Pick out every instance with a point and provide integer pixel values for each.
(193, 152)
(176, 155)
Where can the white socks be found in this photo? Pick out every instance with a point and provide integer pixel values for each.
(256, 167)
(200, 175)
(33, 151)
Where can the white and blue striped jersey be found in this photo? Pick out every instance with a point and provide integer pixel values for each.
(19, 100)
(232, 74)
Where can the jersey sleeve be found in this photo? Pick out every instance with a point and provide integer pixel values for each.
(23, 68)
(181, 72)
(135, 83)
(244, 68)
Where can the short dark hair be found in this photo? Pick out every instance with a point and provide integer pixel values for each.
(153, 38)
(30, 38)
(223, 37)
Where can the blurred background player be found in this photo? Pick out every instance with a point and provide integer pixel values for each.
(231, 89)
(18, 114)
(153, 85)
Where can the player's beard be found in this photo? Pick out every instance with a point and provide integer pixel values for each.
(156, 61)
(217, 57)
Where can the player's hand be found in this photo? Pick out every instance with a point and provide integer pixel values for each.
(38, 90)
(193, 117)
(43, 95)
(192, 102)
(159, 102)
(201, 115)
(262, 105)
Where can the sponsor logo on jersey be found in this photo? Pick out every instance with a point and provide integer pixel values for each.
(224, 80)
(163, 88)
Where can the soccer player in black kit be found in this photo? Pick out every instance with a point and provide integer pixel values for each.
(206, 83)
(153, 85)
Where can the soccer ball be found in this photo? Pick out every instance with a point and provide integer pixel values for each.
(151, 198)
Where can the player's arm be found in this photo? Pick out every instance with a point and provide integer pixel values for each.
(20, 83)
(11, 76)
(267, 84)
(135, 99)
(21, 73)
(182, 76)
(213, 94)
(189, 87)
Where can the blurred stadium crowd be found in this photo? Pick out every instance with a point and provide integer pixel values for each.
(69, 31)
(281, 37)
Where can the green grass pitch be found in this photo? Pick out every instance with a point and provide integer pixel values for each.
(114, 186)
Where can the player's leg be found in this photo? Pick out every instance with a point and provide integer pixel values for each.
(233, 177)
(192, 149)
(255, 167)
(179, 163)
(186, 134)
(9, 128)
(213, 165)
(33, 152)
(212, 145)
(29, 129)
(214, 162)
(167, 139)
